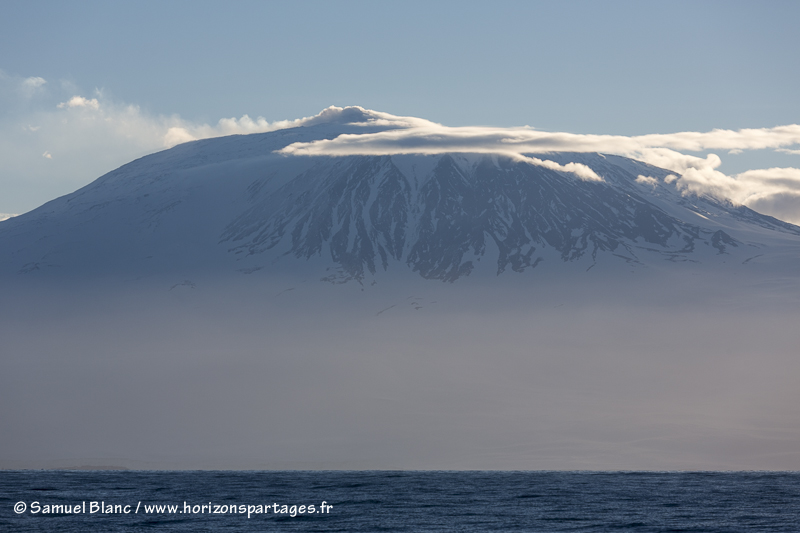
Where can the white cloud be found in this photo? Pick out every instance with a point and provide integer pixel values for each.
(646, 180)
(435, 138)
(17, 89)
(47, 155)
(177, 135)
(34, 81)
(775, 191)
(5, 216)
(580, 170)
(80, 101)
(29, 86)
(244, 125)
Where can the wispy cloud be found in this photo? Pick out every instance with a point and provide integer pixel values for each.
(29, 86)
(185, 131)
(647, 180)
(435, 138)
(775, 191)
(80, 101)
(578, 169)
(55, 138)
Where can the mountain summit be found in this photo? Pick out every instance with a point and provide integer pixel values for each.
(267, 201)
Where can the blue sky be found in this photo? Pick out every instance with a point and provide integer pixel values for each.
(621, 68)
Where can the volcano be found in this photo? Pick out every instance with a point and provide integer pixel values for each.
(241, 204)
(243, 303)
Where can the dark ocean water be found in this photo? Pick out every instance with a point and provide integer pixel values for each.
(399, 501)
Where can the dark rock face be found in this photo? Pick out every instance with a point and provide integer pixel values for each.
(357, 210)
(720, 240)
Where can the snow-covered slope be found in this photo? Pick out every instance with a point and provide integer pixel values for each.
(234, 204)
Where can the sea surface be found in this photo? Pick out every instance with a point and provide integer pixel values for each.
(398, 501)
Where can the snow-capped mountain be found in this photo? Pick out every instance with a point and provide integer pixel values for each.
(498, 312)
(240, 205)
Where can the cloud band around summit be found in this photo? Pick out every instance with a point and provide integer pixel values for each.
(435, 138)
(774, 191)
